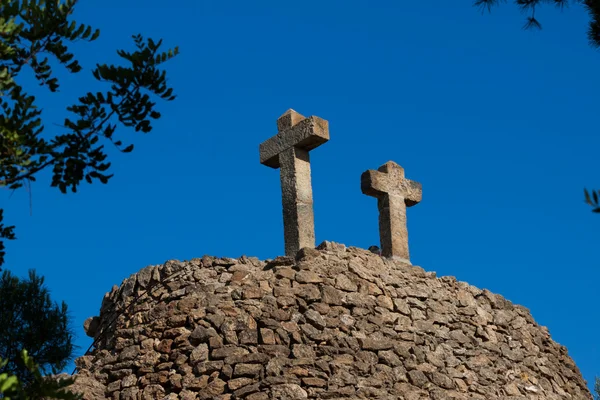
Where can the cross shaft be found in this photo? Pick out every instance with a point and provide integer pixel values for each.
(289, 151)
(394, 193)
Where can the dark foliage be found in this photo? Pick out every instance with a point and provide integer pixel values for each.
(32, 32)
(30, 320)
(592, 200)
(530, 6)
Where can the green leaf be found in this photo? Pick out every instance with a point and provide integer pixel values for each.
(77, 146)
(87, 32)
(7, 383)
(588, 200)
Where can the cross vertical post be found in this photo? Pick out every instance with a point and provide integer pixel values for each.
(394, 193)
(289, 151)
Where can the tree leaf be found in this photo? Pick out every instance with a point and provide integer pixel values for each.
(588, 200)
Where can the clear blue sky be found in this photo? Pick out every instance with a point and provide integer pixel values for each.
(500, 125)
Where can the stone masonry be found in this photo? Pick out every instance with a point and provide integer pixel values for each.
(394, 193)
(288, 150)
(330, 323)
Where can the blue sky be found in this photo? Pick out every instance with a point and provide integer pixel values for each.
(498, 124)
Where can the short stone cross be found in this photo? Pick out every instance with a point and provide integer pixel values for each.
(288, 150)
(394, 193)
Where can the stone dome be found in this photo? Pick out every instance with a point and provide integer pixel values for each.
(331, 323)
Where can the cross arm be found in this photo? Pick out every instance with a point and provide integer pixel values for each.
(377, 184)
(413, 192)
(306, 134)
(374, 183)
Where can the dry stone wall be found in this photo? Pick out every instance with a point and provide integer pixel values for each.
(331, 323)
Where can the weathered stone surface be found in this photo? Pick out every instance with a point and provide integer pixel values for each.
(290, 391)
(394, 193)
(294, 130)
(343, 323)
(91, 325)
(87, 386)
(289, 151)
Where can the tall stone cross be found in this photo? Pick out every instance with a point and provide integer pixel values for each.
(288, 150)
(394, 193)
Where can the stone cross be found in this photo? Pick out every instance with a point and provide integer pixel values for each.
(288, 150)
(394, 193)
